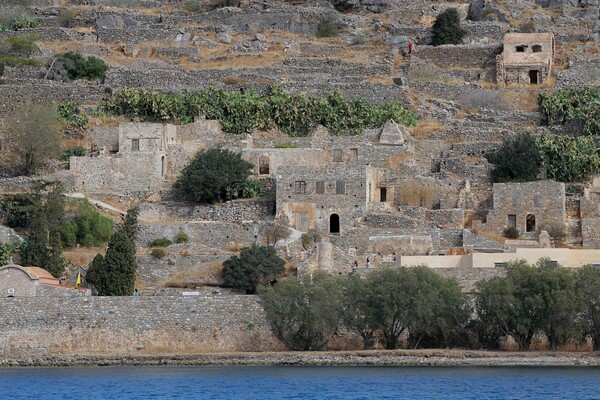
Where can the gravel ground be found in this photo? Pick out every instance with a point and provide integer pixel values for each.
(358, 358)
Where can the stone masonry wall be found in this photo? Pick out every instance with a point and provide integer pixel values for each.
(132, 325)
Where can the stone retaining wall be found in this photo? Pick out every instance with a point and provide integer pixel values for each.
(132, 325)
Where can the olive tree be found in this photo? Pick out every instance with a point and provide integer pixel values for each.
(34, 135)
(304, 313)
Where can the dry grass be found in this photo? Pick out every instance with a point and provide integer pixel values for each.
(235, 247)
(382, 80)
(234, 80)
(208, 271)
(425, 129)
(524, 101)
(416, 193)
(82, 255)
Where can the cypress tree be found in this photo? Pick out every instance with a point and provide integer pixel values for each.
(114, 274)
(55, 263)
(35, 248)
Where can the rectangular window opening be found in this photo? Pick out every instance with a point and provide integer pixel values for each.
(320, 187)
(300, 187)
(340, 187)
(135, 144)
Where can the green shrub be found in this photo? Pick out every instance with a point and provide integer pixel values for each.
(158, 253)
(285, 145)
(24, 22)
(160, 242)
(68, 234)
(327, 29)
(17, 61)
(295, 114)
(73, 151)
(556, 231)
(6, 250)
(567, 158)
(192, 6)
(579, 106)
(446, 28)
(511, 233)
(18, 209)
(181, 237)
(518, 159)
(69, 113)
(66, 17)
(255, 265)
(79, 66)
(93, 229)
(214, 174)
(24, 45)
(252, 188)
(3, 27)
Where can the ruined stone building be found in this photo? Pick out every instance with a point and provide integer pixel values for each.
(528, 207)
(526, 58)
(17, 281)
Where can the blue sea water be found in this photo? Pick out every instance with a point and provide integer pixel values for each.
(347, 383)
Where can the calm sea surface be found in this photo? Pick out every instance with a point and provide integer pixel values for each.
(345, 383)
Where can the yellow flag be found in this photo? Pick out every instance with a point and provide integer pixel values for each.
(78, 281)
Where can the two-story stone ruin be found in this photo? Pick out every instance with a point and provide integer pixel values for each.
(526, 58)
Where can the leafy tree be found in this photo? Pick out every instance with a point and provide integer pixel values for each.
(6, 250)
(68, 234)
(530, 299)
(93, 228)
(516, 160)
(305, 313)
(18, 209)
(588, 289)
(214, 174)
(446, 28)
(79, 66)
(254, 266)
(114, 274)
(568, 159)
(34, 135)
(358, 315)
(35, 247)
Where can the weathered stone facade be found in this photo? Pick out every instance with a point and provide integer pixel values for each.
(528, 207)
(526, 58)
(17, 281)
(132, 325)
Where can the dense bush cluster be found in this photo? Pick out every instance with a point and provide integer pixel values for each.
(521, 158)
(254, 266)
(295, 114)
(431, 311)
(15, 18)
(578, 106)
(16, 52)
(446, 28)
(218, 174)
(79, 66)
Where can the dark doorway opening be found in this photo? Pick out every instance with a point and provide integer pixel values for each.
(162, 166)
(534, 77)
(383, 195)
(530, 225)
(334, 223)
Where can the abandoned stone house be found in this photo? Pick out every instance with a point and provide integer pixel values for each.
(528, 207)
(526, 58)
(17, 281)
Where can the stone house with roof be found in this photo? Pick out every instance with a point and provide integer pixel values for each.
(17, 281)
(526, 58)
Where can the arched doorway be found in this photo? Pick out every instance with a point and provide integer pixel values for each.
(334, 223)
(530, 223)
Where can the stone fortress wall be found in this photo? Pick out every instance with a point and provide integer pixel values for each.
(43, 326)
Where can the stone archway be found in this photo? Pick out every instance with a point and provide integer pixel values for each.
(530, 223)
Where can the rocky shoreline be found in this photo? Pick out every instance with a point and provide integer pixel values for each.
(440, 358)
